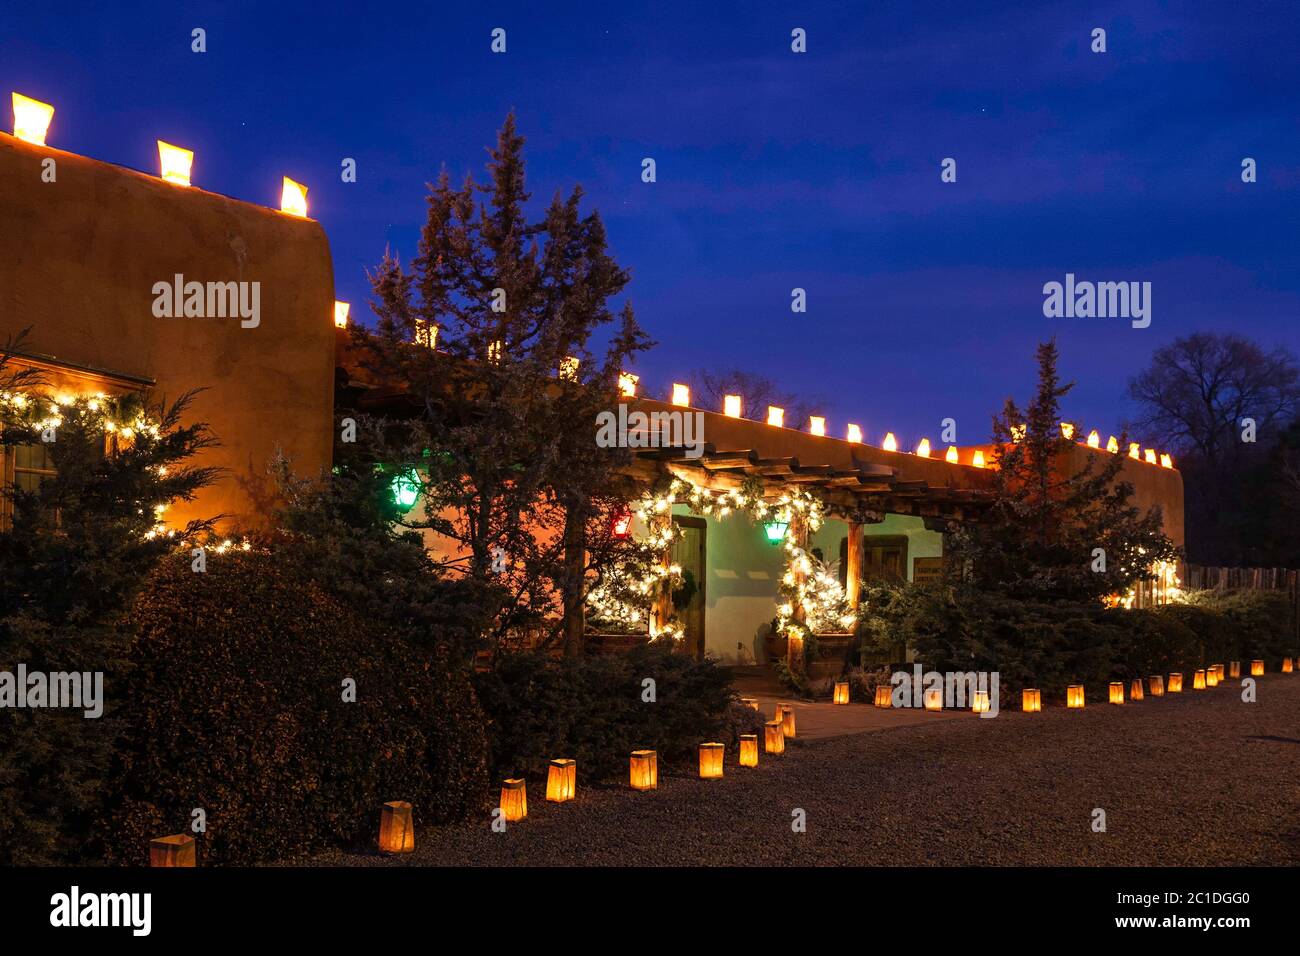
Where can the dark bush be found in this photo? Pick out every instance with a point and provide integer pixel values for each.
(593, 710)
(1050, 645)
(234, 705)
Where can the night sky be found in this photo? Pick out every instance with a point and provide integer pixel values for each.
(775, 169)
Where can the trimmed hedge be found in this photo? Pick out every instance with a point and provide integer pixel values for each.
(234, 705)
(591, 709)
(1052, 645)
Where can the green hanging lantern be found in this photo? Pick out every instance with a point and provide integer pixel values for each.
(775, 530)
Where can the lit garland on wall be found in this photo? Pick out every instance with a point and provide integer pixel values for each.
(808, 586)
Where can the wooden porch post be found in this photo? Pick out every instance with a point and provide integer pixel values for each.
(798, 532)
(853, 565)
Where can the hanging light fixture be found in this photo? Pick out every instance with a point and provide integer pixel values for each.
(775, 530)
(620, 522)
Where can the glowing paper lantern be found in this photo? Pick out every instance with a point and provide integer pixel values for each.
(1286, 665)
(884, 696)
(175, 163)
(1074, 696)
(1067, 430)
(341, 310)
(31, 119)
(1198, 680)
(627, 383)
(426, 334)
(1156, 685)
(933, 699)
(841, 692)
(1134, 450)
(1094, 440)
(775, 416)
(749, 750)
(1112, 445)
(890, 443)
(1150, 456)
(1018, 433)
(561, 781)
(853, 433)
(1234, 669)
(293, 198)
(1256, 668)
(645, 770)
(731, 406)
(1166, 461)
(514, 800)
(977, 459)
(773, 738)
(396, 828)
(923, 449)
(951, 456)
(785, 713)
(710, 761)
(817, 425)
(1214, 675)
(1116, 692)
(1175, 683)
(681, 394)
(1031, 700)
(1135, 689)
(750, 702)
(175, 850)
(980, 704)
(569, 369)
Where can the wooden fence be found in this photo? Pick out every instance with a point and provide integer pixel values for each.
(1255, 579)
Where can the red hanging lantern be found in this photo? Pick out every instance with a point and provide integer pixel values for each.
(620, 522)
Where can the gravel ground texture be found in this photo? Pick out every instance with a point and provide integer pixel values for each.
(1196, 779)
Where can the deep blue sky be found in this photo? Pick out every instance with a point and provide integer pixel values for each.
(775, 170)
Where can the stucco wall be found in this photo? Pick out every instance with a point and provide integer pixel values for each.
(78, 261)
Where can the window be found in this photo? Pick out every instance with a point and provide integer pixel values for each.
(23, 467)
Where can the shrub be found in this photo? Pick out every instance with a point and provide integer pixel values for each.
(591, 709)
(234, 705)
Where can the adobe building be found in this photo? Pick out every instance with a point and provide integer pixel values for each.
(82, 258)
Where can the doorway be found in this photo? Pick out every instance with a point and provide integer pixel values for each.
(688, 600)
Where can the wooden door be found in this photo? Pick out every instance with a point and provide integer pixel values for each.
(688, 602)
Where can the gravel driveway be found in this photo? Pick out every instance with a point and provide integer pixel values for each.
(1195, 779)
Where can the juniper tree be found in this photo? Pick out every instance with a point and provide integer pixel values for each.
(1039, 538)
(79, 545)
(499, 433)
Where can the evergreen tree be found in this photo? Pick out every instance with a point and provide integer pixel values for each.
(1039, 539)
(501, 442)
(77, 549)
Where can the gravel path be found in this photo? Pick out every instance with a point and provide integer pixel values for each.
(1193, 779)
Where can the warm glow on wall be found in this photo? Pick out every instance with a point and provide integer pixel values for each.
(1112, 445)
(977, 459)
(341, 310)
(293, 198)
(627, 383)
(853, 433)
(951, 456)
(817, 425)
(775, 416)
(1150, 456)
(890, 443)
(923, 449)
(31, 119)
(731, 406)
(1166, 461)
(1094, 440)
(681, 394)
(175, 162)
(1134, 450)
